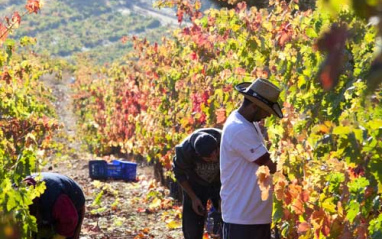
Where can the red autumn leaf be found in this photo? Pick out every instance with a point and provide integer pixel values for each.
(320, 222)
(279, 188)
(206, 236)
(227, 88)
(241, 6)
(295, 190)
(33, 6)
(240, 71)
(3, 33)
(6, 77)
(356, 171)
(156, 76)
(346, 233)
(191, 120)
(297, 206)
(146, 230)
(330, 71)
(202, 118)
(305, 195)
(140, 209)
(285, 34)
(204, 70)
(362, 231)
(284, 38)
(205, 97)
(297, 202)
(220, 115)
(196, 101)
(303, 227)
(194, 56)
(260, 72)
(332, 42)
(7, 20)
(124, 39)
(16, 19)
(180, 16)
(197, 15)
(186, 31)
(211, 20)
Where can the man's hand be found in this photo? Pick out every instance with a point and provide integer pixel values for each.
(266, 160)
(58, 236)
(198, 207)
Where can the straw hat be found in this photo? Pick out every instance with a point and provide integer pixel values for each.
(263, 93)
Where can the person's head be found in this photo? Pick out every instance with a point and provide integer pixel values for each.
(207, 147)
(30, 181)
(260, 99)
(34, 208)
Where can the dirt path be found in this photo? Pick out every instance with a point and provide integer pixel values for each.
(115, 209)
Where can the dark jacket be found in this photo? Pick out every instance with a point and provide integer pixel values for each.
(187, 165)
(57, 184)
(48, 203)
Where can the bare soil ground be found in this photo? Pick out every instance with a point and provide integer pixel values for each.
(115, 209)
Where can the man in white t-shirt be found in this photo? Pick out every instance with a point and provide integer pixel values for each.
(242, 152)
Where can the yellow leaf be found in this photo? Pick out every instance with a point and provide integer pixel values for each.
(97, 184)
(329, 205)
(197, 5)
(235, 28)
(340, 209)
(322, 128)
(174, 224)
(155, 203)
(342, 130)
(375, 124)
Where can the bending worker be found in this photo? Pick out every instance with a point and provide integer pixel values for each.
(60, 210)
(196, 168)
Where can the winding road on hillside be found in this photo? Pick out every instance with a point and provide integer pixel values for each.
(164, 16)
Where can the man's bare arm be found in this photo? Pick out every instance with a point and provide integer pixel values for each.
(266, 160)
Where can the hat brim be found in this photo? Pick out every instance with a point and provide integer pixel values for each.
(275, 109)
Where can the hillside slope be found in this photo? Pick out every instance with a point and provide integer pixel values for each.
(66, 27)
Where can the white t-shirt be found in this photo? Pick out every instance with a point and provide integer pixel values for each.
(242, 143)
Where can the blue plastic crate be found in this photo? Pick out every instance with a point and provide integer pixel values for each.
(117, 169)
(98, 169)
(122, 170)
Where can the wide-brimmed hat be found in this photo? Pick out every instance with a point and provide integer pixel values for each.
(263, 93)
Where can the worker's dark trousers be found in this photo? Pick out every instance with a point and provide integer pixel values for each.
(192, 223)
(238, 231)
